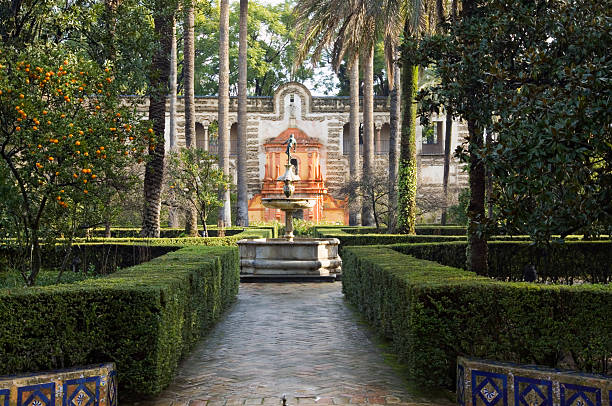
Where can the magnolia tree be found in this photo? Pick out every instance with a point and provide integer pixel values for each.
(195, 181)
(65, 140)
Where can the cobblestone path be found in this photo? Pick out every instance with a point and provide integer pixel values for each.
(295, 339)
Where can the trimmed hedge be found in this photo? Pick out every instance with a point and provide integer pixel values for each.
(432, 313)
(420, 230)
(567, 262)
(130, 232)
(348, 238)
(143, 318)
(108, 254)
(134, 232)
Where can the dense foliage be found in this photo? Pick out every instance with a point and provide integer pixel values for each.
(66, 143)
(433, 313)
(541, 72)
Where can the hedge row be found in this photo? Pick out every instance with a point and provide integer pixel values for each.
(143, 318)
(349, 238)
(108, 254)
(432, 313)
(566, 262)
(420, 230)
(213, 231)
(119, 232)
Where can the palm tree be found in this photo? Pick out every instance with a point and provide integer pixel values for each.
(407, 182)
(173, 220)
(158, 80)
(242, 217)
(367, 215)
(346, 25)
(191, 218)
(354, 211)
(223, 116)
(394, 138)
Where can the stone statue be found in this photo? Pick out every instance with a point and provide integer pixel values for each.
(291, 142)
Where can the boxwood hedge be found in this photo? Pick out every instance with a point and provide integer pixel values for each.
(568, 262)
(143, 318)
(432, 313)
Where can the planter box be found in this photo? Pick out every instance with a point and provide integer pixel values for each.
(94, 385)
(490, 383)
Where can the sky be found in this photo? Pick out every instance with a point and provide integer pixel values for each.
(319, 72)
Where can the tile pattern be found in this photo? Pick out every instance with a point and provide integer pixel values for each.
(532, 392)
(36, 395)
(84, 386)
(301, 340)
(489, 389)
(82, 392)
(579, 395)
(493, 383)
(112, 394)
(460, 389)
(4, 397)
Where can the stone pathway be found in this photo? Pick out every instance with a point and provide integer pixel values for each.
(295, 339)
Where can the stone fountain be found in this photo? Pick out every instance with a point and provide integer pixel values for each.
(289, 258)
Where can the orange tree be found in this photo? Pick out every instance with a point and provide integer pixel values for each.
(64, 137)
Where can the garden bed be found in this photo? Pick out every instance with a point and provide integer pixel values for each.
(143, 318)
(433, 313)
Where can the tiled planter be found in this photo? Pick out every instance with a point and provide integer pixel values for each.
(94, 385)
(490, 383)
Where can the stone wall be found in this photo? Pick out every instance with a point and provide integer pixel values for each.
(324, 118)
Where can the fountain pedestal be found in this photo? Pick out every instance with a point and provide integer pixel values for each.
(289, 258)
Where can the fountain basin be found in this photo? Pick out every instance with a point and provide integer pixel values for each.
(288, 203)
(281, 259)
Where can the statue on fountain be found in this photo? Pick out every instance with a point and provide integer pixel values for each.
(291, 142)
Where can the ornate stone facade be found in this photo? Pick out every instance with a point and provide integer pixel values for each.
(324, 121)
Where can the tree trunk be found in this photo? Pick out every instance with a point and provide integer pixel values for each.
(36, 259)
(394, 136)
(368, 129)
(223, 117)
(173, 218)
(407, 177)
(107, 228)
(355, 208)
(477, 242)
(447, 156)
(242, 216)
(489, 141)
(191, 214)
(160, 72)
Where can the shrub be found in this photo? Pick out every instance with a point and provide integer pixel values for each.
(433, 313)
(143, 318)
(566, 262)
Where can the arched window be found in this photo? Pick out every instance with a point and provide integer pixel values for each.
(213, 138)
(382, 139)
(201, 136)
(234, 139)
(346, 140)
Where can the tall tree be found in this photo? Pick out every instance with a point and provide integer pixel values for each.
(354, 209)
(191, 214)
(352, 30)
(242, 216)
(173, 219)
(394, 138)
(367, 215)
(225, 217)
(163, 14)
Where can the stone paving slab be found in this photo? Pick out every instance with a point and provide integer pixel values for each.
(295, 339)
